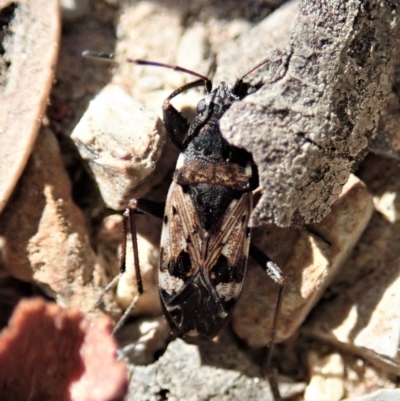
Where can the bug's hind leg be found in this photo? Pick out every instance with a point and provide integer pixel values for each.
(276, 274)
(135, 206)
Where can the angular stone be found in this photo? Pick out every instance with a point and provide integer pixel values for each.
(362, 314)
(144, 339)
(121, 141)
(309, 259)
(364, 318)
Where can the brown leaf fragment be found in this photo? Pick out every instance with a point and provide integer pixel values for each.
(27, 63)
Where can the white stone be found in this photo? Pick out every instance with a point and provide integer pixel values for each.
(327, 378)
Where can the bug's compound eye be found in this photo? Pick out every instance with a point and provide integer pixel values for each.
(201, 106)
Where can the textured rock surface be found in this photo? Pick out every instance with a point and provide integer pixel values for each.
(304, 127)
(387, 141)
(186, 372)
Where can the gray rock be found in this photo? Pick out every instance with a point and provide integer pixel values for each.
(380, 395)
(213, 371)
(319, 103)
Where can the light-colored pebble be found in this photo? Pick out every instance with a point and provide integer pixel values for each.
(327, 378)
(122, 142)
(365, 318)
(149, 302)
(141, 340)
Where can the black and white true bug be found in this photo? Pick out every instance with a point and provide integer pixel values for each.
(205, 239)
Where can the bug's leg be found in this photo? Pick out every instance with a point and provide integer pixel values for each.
(175, 124)
(146, 206)
(135, 206)
(276, 274)
(310, 228)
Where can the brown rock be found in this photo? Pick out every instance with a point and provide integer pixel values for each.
(45, 232)
(362, 314)
(309, 260)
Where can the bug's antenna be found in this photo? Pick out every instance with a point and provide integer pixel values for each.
(111, 57)
(239, 81)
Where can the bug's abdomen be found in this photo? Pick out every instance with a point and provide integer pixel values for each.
(196, 313)
(204, 248)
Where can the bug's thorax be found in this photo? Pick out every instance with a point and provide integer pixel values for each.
(207, 157)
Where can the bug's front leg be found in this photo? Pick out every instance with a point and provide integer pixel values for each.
(135, 206)
(276, 274)
(175, 124)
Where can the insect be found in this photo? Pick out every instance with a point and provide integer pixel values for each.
(205, 239)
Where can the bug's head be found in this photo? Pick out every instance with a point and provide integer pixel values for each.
(217, 102)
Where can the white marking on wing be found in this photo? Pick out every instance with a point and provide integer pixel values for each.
(170, 284)
(227, 291)
(182, 225)
(181, 161)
